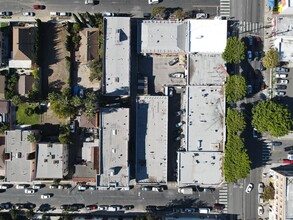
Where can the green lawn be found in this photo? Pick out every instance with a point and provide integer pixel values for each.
(23, 118)
(3, 24)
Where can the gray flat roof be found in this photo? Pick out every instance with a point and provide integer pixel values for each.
(52, 161)
(117, 56)
(205, 69)
(20, 167)
(162, 36)
(200, 168)
(151, 138)
(205, 118)
(114, 146)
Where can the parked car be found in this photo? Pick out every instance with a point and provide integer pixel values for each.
(179, 124)
(202, 15)
(282, 69)
(260, 210)
(65, 207)
(174, 61)
(218, 206)
(67, 186)
(281, 93)
(260, 198)
(92, 187)
(250, 40)
(73, 126)
(29, 191)
(177, 75)
(108, 14)
(37, 186)
(147, 15)
(181, 112)
(103, 207)
(171, 91)
(82, 187)
(261, 187)
(249, 55)
(81, 93)
(249, 188)
(5, 13)
(249, 89)
(152, 2)
(46, 195)
(65, 14)
(53, 186)
(210, 190)
(282, 81)
(91, 207)
(261, 67)
(4, 186)
(281, 75)
(6, 205)
(146, 188)
(276, 143)
(254, 133)
(29, 14)
(280, 87)
(22, 186)
(128, 207)
(39, 7)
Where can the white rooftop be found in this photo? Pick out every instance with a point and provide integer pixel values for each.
(200, 168)
(26, 64)
(114, 146)
(52, 162)
(160, 36)
(207, 36)
(151, 138)
(117, 56)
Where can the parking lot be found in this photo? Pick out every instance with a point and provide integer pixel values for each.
(157, 69)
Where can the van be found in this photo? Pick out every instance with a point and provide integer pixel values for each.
(54, 13)
(204, 210)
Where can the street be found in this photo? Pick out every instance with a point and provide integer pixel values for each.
(140, 199)
(135, 7)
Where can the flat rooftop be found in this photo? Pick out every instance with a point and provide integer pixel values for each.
(151, 138)
(52, 161)
(200, 168)
(114, 146)
(22, 156)
(207, 36)
(160, 36)
(206, 69)
(117, 56)
(205, 118)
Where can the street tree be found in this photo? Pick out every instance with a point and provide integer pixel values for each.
(158, 11)
(269, 193)
(268, 116)
(271, 59)
(16, 100)
(3, 127)
(235, 122)
(235, 88)
(236, 160)
(234, 51)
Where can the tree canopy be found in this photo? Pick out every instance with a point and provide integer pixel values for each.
(235, 121)
(271, 59)
(235, 88)
(236, 159)
(271, 117)
(234, 51)
(269, 193)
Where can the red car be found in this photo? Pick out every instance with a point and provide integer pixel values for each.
(286, 161)
(91, 207)
(39, 7)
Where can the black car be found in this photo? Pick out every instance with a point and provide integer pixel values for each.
(67, 186)
(6, 205)
(150, 208)
(280, 87)
(174, 61)
(128, 207)
(78, 205)
(8, 13)
(65, 207)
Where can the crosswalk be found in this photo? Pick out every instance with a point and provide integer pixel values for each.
(225, 8)
(223, 197)
(252, 27)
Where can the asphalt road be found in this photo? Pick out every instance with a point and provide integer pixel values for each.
(140, 199)
(136, 7)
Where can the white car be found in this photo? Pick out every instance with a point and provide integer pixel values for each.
(29, 14)
(46, 196)
(177, 75)
(29, 191)
(37, 186)
(249, 188)
(281, 75)
(201, 15)
(282, 81)
(261, 187)
(281, 93)
(260, 210)
(82, 187)
(3, 187)
(152, 2)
